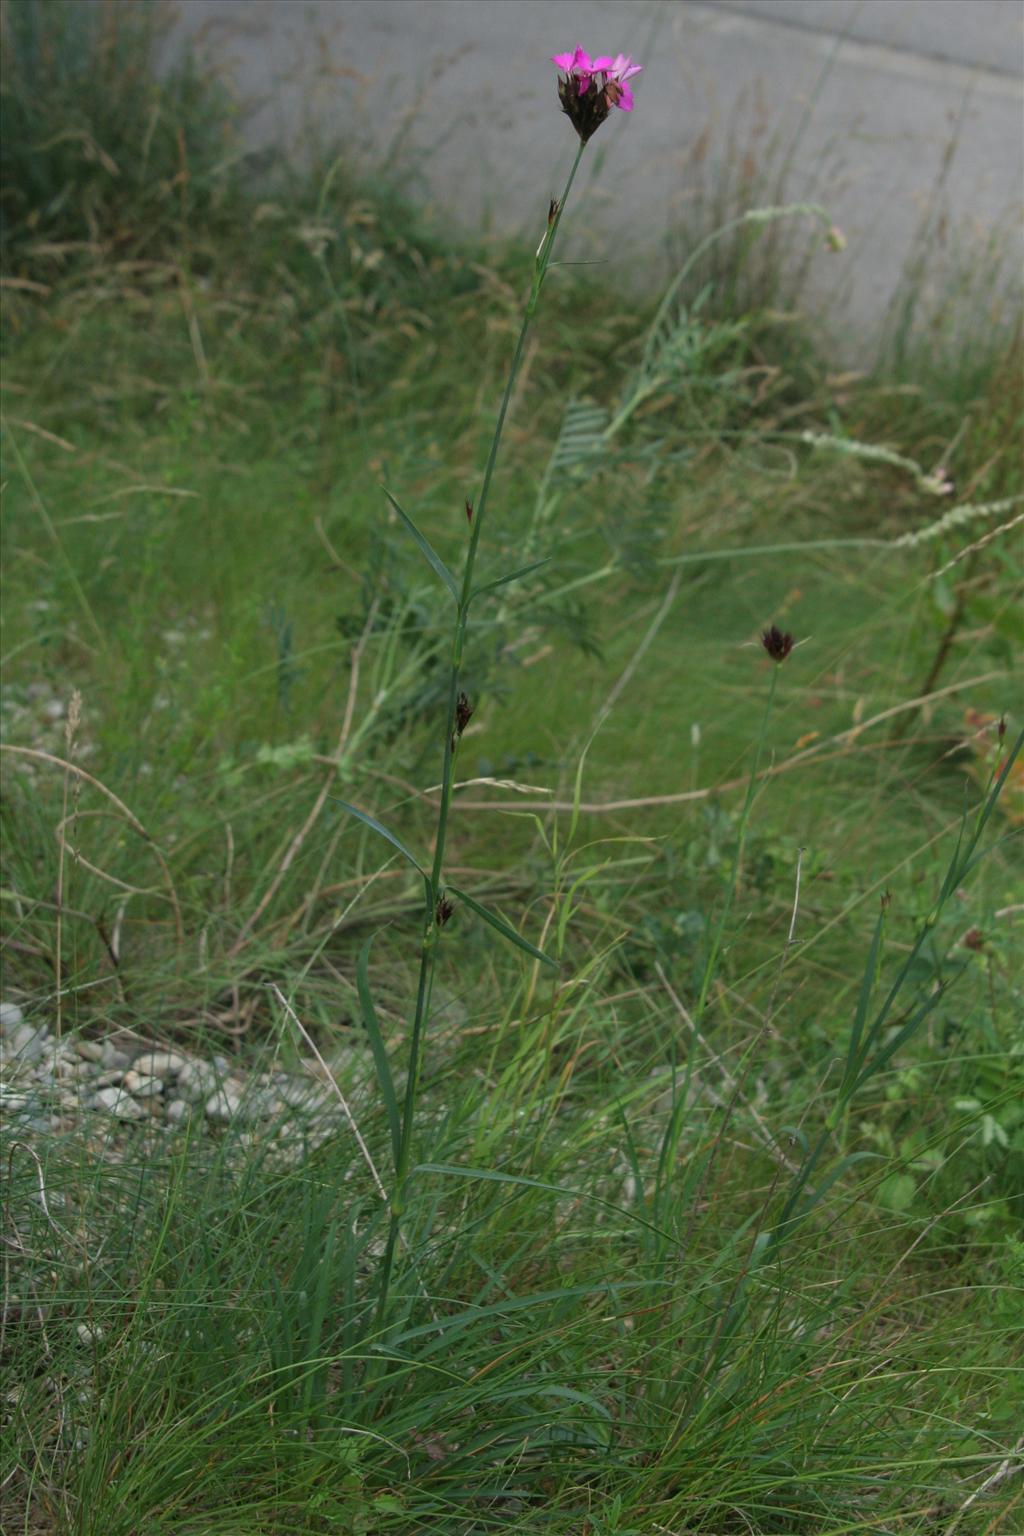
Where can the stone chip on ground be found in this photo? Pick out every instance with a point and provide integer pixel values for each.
(142, 1085)
(10, 1016)
(224, 1105)
(163, 1064)
(116, 1102)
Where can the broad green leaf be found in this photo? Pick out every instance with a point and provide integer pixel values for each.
(897, 1192)
(426, 548)
(380, 1056)
(502, 927)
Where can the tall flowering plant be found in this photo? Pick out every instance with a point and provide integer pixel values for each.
(588, 88)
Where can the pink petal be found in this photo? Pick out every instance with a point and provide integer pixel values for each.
(625, 101)
(563, 60)
(623, 67)
(601, 65)
(581, 61)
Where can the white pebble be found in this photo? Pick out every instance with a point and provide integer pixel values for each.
(119, 1103)
(107, 1079)
(143, 1087)
(24, 1041)
(87, 1335)
(89, 1050)
(159, 1064)
(197, 1080)
(223, 1105)
(302, 1093)
(178, 1112)
(10, 1016)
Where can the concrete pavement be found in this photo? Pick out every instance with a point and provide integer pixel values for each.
(881, 110)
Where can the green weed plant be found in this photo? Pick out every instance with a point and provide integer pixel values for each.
(675, 1017)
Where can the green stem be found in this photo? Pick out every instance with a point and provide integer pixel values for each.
(716, 943)
(431, 932)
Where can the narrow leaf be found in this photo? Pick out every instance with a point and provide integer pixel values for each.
(502, 927)
(426, 548)
(382, 831)
(822, 1189)
(503, 581)
(878, 1061)
(867, 987)
(380, 1056)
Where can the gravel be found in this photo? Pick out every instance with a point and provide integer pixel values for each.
(49, 1084)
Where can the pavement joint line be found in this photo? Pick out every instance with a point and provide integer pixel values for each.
(846, 50)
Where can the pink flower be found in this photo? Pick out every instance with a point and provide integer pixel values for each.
(618, 71)
(608, 76)
(577, 66)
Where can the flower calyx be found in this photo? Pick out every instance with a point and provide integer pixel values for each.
(777, 644)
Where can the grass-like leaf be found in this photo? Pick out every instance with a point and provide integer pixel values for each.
(500, 926)
(867, 987)
(385, 1081)
(504, 581)
(382, 831)
(426, 548)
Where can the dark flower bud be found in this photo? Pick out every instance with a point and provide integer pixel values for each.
(469, 511)
(973, 939)
(1002, 727)
(552, 211)
(463, 713)
(777, 644)
(443, 910)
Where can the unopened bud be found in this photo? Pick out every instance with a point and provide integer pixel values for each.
(443, 910)
(777, 644)
(469, 512)
(552, 211)
(463, 713)
(835, 239)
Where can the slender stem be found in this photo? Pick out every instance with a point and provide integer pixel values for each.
(434, 885)
(716, 943)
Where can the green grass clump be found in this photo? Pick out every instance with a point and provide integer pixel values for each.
(715, 1228)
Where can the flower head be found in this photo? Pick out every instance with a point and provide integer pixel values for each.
(589, 88)
(777, 644)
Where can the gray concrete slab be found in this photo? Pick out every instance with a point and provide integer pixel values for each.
(988, 34)
(880, 107)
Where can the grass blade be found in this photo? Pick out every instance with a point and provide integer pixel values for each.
(867, 987)
(382, 831)
(426, 548)
(500, 926)
(503, 581)
(385, 1081)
